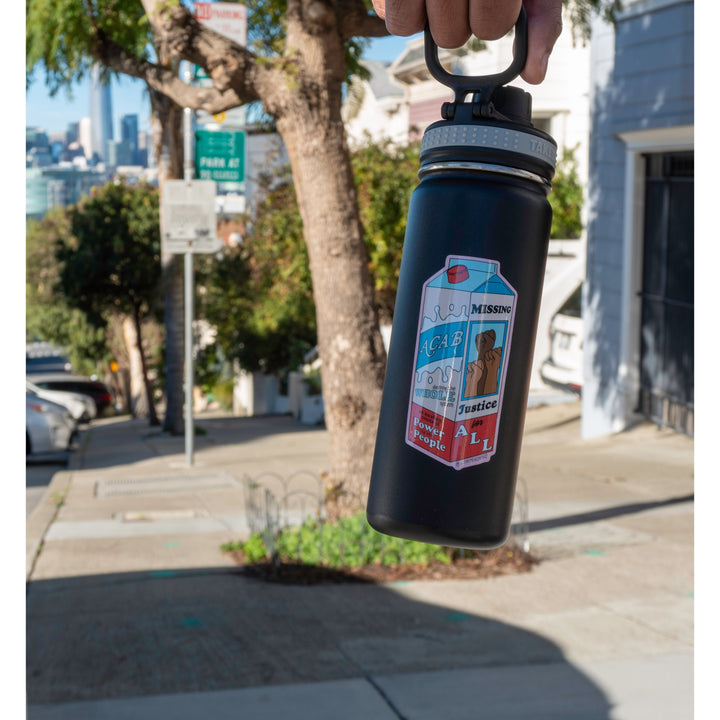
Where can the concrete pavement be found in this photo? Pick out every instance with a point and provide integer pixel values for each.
(133, 611)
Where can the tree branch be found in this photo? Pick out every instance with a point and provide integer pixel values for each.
(166, 81)
(356, 21)
(238, 75)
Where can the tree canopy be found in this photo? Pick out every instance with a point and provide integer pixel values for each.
(111, 262)
(49, 316)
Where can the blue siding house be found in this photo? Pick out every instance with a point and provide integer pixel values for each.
(638, 295)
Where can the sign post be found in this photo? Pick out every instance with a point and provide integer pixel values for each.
(188, 225)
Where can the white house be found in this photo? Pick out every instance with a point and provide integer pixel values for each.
(401, 99)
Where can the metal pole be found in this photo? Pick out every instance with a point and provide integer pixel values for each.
(189, 370)
(189, 309)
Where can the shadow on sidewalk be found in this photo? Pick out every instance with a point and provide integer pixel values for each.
(604, 514)
(140, 634)
(125, 441)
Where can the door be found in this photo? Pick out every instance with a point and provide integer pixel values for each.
(667, 296)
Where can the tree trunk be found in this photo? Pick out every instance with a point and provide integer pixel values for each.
(141, 402)
(168, 145)
(152, 414)
(349, 340)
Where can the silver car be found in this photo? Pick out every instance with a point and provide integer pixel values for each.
(564, 367)
(49, 427)
(81, 407)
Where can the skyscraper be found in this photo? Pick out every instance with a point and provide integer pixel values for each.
(85, 136)
(129, 135)
(101, 118)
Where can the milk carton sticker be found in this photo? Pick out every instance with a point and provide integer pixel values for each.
(461, 357)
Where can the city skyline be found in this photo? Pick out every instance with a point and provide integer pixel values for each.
(54, 114)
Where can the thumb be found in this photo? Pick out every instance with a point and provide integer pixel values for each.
(544, 28)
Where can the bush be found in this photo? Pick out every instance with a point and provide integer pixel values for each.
(349, 542)
(223, 393)
(566, 199)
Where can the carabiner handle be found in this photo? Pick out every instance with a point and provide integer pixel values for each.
(482, 86)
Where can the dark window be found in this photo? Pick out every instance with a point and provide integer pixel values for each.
(572, 306)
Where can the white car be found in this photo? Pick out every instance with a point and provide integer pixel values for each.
(564, 367)
(48, 426)
(81, 407)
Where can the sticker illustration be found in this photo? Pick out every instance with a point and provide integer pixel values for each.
(463, 345)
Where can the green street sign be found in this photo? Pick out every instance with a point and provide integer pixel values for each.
(220, 155)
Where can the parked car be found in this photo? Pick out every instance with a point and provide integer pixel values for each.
(49, 427)
(564, 367)
(47, 363)
(45, 357)
(81, 407)
(97, 390)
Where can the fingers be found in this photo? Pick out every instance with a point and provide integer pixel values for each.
(402, 17)
(544, 28)
(449, 23)
(491, 19)
(453, 21)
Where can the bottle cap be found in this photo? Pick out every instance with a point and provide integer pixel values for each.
(495, 125)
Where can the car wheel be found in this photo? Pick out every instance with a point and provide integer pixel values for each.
(28, 444)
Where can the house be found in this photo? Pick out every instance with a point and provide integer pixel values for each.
(402, 98)
(638, 295)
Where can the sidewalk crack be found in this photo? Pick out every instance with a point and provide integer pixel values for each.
(385, 698)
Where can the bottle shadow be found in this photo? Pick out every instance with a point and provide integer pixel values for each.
(135, 635)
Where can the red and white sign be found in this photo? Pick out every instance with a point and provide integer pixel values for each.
(228, 19)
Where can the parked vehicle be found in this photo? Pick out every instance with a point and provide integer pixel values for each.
(81, 407)
(42, 357)
(97, 390)
(49, 427)
(564, 367)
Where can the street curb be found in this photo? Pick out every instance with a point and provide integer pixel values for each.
(42, 517)
(44, 514)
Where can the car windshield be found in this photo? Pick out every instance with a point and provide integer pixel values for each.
(572, 306)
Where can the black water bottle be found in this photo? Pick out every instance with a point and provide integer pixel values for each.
(460, 357)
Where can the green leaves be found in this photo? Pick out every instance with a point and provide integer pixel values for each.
(349, 542)
(385, 177)
(566, 199)
(112, 261)
(63, 36)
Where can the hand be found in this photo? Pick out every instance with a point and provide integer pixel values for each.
(473, 378)
(492, 363)
(453, 21)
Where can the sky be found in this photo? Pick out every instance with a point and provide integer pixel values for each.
(54, 114)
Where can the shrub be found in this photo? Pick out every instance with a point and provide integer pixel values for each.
(348, 542)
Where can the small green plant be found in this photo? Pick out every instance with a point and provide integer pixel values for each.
(349, 542)
(566, 199)
(223, 392)
(313, 381)
(59, 498)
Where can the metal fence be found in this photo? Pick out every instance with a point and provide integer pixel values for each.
(276, 505)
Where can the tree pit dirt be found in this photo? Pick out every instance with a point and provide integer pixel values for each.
(474, 565)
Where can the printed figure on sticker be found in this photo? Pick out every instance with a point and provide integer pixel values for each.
(463, 343)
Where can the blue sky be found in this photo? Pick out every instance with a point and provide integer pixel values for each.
(129, 96)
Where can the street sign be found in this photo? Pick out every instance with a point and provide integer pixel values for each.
(187, 217)
(220, 155)
(228, 19)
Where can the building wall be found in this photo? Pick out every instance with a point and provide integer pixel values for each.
(641, 100)
(562, 97)
(365, 114)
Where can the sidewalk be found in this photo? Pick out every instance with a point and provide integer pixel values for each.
(133, 611)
